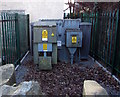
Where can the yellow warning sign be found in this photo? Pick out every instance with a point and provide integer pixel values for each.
(74, 39)
(44, 35)
(52, 34)
(44, 46)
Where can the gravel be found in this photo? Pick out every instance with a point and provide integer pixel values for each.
(66, 79)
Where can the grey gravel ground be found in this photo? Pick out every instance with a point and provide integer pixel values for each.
(66, 79)
(20, 73)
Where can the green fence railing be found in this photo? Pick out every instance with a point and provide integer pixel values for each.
(14, 37)
(105, 37)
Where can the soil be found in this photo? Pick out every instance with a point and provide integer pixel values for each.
(67, 79)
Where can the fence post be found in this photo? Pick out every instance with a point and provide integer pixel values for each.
(3, 42)
(81, 16)
(28, 31)
(17, 36)
(0, 41)
(92, 34)
(64, 15)
(117, 36)
(96, 34)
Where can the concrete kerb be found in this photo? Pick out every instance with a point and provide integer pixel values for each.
(105, 70)
(22, 60)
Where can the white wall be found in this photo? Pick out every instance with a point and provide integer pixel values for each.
(38, 9)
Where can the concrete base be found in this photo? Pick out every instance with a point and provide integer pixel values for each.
(93, 89)
(45, 63)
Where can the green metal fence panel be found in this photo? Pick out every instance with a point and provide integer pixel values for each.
(116, 51)
(105, 46)
(23, 29)
(17, 36)
(14, 37)
(105, 43)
